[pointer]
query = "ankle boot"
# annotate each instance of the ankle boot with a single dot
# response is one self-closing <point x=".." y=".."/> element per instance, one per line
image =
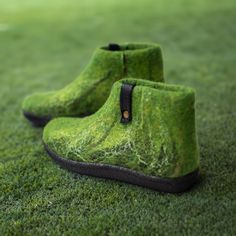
<point x="144" y="134"/>
<point x="91" y="89"/>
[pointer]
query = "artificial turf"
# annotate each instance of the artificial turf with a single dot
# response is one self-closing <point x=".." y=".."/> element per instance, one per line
<point x="44" y="45"/>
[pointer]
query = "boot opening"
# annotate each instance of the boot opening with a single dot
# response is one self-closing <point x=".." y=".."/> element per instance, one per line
<point x="126" y="47"/>
<point x="158" y="86"/>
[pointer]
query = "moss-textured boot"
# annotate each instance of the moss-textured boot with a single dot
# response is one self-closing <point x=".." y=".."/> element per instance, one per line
<point x="91" y="89"/>
<point x="144" y="134"/>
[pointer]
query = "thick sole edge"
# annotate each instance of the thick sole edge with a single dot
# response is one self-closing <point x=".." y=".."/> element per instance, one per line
<point x="167" y="185"/>
<point x="36" y="120"/>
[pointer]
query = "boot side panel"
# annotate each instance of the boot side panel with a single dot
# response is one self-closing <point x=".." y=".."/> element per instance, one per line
<point x="165" y="132"/>
<point x="183" y="129"/>
<point x="144" y="65"/>
<point x="103" y="77"/>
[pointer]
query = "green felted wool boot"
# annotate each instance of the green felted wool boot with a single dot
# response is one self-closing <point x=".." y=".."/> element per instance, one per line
<point x="91" y="89"/>
<point x="144" y="134"/>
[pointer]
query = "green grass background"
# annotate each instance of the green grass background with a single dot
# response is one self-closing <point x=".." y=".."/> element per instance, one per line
<point x="45" y="44"/>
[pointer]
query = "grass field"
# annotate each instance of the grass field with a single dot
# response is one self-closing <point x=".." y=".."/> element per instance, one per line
<point x="45" y="44"/>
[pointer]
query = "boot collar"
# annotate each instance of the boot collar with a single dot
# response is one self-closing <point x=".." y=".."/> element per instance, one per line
<point x="129" y="48"/>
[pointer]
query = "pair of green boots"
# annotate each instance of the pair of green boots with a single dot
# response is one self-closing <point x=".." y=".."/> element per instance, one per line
<point x="140" y="130"/>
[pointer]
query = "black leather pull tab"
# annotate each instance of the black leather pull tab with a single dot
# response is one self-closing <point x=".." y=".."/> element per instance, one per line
<point x="114" y="47"/>
<point x="126" y="103"/>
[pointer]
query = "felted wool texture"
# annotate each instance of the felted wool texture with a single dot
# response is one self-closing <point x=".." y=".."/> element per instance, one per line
<point x="90" y="90"/>
<point x="159" y="141"/>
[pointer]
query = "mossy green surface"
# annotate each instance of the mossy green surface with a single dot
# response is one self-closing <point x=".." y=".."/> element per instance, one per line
<point x="44" y="44"/>
<point x="89" y="91"/>
<point x="159" y="141"/>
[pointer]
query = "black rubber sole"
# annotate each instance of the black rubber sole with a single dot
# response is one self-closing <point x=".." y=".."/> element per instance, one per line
<point x="168" y="185"/>
<point x="35" y="120"/>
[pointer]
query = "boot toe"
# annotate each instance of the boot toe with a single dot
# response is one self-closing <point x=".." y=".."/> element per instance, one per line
<point x="37" y="104"/>
<point x="58" y="134"/>
<point x="36" y="108"/>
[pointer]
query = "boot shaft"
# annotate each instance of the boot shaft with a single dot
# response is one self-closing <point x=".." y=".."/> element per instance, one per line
<point x="163" y="125"/>
<point x="129" y="60"/>
<point x="143" y="61"/>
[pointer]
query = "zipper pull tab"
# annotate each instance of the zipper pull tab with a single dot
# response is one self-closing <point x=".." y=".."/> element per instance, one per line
<point x="126" y="103"/>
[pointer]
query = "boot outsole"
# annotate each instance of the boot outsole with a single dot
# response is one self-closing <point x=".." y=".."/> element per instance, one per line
<point x="168" y="185"/>
<point x="36" y="120"/>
